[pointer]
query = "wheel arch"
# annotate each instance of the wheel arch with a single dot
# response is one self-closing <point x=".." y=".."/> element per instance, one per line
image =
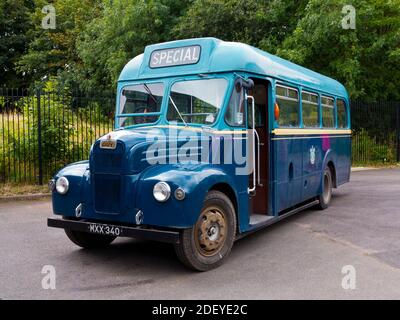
<point x="227" y="189"/>
<point x="329" y="161"/>
<point x="196" y="181"/>
<point x="332" y="167"/>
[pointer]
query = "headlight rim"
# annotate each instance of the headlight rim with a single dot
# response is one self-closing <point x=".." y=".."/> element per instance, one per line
<point x="168" y="191"/>
<point x="66" y="185"/>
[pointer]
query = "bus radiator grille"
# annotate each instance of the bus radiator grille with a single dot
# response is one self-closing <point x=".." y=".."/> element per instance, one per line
<point x="107" y="191"/>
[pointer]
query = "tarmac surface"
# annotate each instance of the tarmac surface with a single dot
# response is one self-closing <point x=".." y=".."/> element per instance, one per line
<point x="307" y="256"/>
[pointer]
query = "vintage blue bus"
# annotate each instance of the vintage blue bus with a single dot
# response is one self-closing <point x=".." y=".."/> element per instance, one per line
<point x="213" y="140"/>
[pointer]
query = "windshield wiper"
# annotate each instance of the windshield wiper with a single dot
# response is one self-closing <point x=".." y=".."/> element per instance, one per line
<point x="177" y="110"/>
<point x="150" y="93"/>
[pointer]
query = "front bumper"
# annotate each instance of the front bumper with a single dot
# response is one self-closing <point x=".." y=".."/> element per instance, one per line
<point x="138" y="232"/>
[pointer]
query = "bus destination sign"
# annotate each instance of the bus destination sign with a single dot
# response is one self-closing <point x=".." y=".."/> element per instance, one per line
<point x="175" y="56"/>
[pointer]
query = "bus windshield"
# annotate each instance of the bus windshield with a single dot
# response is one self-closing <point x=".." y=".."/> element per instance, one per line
<point x="138" y="100"/>
<point x="196" y="101"/>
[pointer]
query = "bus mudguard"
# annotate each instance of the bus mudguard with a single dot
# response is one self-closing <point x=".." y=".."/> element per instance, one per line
<point x="194" y="180"/>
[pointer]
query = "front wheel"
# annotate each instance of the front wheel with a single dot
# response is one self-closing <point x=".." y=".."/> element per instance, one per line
<point x="88" y="240"/>
<point x="206" y="245"/>
<point x="326" y="195"/>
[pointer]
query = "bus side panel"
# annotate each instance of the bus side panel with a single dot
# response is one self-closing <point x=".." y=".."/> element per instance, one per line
<point x="313" y="157"/>
<point x="315" y="150"/>
<point x="289" y="171"/>
<point x="343" y="165"/>
<point x="307" y="155"/>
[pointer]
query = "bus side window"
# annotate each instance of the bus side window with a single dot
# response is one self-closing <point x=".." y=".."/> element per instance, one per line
<point x="310" y="109"/>
<point x="235" y="113"/>
<point x="341" y="114"/>
<point x="288" y="102"/>
<point x="328" y="112"/>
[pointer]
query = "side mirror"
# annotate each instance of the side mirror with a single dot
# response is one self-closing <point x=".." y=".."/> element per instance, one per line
<point x="248" y="84"/>
<point x="245" y="84"/>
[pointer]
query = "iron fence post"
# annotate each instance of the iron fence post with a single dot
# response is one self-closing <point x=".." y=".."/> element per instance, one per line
<point x="39" y="124"/>
<point x="398" y="132"/>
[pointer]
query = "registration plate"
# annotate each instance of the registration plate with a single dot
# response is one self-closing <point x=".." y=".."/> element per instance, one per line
<point x="108" y="144"/>
<point x="105" y="229"/>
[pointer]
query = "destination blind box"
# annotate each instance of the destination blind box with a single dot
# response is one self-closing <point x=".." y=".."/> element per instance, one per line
<point x="175" y="56"/>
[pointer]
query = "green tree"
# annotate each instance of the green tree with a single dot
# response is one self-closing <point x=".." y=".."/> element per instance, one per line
<point x="365" y="59"/>
<point x="120" y="33"/>
<point x="264" y="24"/>
<point x="14" y="24"/>
<point x="52" y="52"/>
<point x="94" y="39"/>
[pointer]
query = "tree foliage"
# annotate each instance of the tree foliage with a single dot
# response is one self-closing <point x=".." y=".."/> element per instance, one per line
<point x="14" y="25"/>
<point x="94" y="39"/>
<point x="53" y="52"/>
<point x="365" y="59"/>
<point x="264" y="24"/>
<point x="120" y="33"/>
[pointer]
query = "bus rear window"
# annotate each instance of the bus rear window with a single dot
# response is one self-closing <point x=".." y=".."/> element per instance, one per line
<point x="288" y="102"/>
<point x="328" y="112"/>
<point x="341" y="114"/>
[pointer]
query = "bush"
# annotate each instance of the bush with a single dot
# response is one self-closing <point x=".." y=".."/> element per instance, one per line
<point x="367" y="149"/>
<point x="66" y="133"/>
<point x="55" y="127"/>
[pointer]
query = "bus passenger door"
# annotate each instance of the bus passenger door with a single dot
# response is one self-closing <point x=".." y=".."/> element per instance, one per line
<point x="259" y="197"/>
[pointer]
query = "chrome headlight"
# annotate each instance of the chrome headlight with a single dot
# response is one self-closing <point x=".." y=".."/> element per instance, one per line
<point x="62" y="185"/>
<point x="161" y="191"/>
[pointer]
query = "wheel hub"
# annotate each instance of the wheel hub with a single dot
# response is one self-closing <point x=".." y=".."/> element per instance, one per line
<point x="211" y="231"/>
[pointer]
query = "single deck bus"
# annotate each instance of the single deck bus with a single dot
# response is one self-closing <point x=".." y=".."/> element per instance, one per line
<point x="213" y="140"/>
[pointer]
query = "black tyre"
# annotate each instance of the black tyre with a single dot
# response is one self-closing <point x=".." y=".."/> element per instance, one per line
<point x="326" y="195"/>
<point x="207" y="244"/>
<point x="88" y="240"/>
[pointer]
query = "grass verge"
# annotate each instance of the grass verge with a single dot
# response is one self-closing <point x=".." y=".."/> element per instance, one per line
<point x="9" y="189"/>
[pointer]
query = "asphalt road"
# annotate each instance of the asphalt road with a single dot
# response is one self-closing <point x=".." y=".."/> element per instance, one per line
<point x="301" y="257"/>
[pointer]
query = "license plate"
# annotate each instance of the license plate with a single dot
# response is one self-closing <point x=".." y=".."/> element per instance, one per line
<point x="108" y="144"/>
<point x="105" y="229"/>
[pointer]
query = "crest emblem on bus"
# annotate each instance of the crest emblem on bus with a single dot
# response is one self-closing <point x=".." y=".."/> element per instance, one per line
<point x="312" y="155"/>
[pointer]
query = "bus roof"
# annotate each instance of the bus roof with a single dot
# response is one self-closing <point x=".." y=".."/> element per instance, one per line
<point x="221" y="56"/>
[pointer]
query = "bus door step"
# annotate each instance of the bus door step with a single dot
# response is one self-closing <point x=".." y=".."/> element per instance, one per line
<point x="259" y="218"/>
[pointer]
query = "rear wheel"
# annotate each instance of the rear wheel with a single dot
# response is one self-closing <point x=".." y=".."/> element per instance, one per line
<point x="89" y="240"/>
<point x="326" y="195"/>
<point x="207" y="244"/>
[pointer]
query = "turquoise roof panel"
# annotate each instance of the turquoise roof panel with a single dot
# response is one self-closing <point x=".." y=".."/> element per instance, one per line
<point x="221" y="56"/>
